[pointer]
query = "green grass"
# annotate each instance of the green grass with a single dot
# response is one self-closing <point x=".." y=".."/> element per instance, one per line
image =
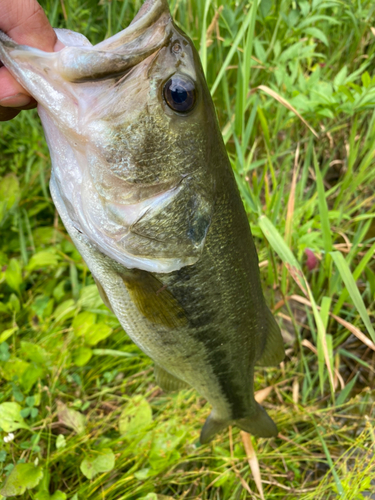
<point x="82" y="395"/>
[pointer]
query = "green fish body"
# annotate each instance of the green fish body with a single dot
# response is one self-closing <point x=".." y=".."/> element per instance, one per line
<point x="143" y="184"/>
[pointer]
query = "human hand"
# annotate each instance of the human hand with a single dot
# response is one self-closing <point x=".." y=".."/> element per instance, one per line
<point x="26" y="23"/>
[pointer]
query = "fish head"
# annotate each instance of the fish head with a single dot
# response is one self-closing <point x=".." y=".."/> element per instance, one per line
<point x="133" y="136"/>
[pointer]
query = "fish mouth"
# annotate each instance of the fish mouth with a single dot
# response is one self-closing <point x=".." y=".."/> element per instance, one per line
<point x="80" y="63"/>
<point x="150" y="14"/>
<point x="146" y="34"/>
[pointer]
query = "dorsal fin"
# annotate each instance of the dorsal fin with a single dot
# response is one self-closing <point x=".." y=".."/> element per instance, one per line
<point x="273" y="352"/>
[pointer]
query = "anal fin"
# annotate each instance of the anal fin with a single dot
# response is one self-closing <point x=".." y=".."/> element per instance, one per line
<point x="273" y="352"/>
<point x="168" y="382"/>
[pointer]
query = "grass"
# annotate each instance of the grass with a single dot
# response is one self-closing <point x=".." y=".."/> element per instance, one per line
<point x="80" y="398"/>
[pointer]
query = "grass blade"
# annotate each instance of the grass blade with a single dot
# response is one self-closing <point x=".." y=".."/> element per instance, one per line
<point x="323" y="208"/>
<point x="356" y="274"/>
<point x="203" y="47"/>
<point x="253" y="461"/>
<point x="339" y="486"/>
<point x="248" y="19"/>
<point x="341" y="398"/>
<point x="114" y="353"/>
<point x="353" y="291"/>
<point x="352" y="329"/>
<point x="278" y="244"/>
<point x="285" y="103"/>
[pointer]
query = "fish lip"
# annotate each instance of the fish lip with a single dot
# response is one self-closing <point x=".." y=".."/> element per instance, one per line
<point x="113" y="58"/>
<point x="150" y="13"/>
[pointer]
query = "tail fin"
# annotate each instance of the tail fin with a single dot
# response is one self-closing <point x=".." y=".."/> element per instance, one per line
<point x="260" y="424"/>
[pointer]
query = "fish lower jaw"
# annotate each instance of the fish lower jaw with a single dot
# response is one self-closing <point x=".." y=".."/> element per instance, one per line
<point x="146" y="263"/>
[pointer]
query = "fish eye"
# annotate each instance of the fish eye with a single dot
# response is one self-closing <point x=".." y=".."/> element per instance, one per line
<point x="179" y="93"/>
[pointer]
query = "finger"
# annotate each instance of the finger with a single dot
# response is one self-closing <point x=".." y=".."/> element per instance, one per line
<point x="11" y="92"/>
<point x="9" y="113"/>
<point x="27" y="24"/>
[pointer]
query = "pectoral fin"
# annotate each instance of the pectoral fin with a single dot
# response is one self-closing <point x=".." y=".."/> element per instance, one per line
<point x="168" y="382"/>
<point x="153" y="300"/>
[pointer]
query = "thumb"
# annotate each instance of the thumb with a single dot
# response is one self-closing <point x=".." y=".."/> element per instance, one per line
<point x="26" y="23"/>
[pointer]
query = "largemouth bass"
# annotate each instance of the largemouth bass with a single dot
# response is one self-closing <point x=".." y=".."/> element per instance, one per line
<point x="143" y="184"/>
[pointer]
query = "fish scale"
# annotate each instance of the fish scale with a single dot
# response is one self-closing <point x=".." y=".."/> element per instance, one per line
<point x="143" y="184"/>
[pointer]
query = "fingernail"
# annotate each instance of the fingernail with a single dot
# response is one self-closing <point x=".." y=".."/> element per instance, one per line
<point x="16" y="101"/>
<point x="58" y="46"/>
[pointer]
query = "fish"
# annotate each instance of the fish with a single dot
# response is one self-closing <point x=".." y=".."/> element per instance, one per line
<point x="142" y="182"/>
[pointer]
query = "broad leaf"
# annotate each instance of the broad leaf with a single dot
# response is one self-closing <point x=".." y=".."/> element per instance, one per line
<point x="44" y="258"/>
<point x="44" y="495"/>
<point x="71" y="418"/>
<point x="135" y="417"/>
<point x="23" y="477"/>
<point x="97" y="462"/>
<point x="83" y="322"/>
<point x="13" y="275"/>
<point x="82" y="356"/>
<point x="97" y="332"/>
<point x="10" y="417"/>
<point x="9" y="194"/>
